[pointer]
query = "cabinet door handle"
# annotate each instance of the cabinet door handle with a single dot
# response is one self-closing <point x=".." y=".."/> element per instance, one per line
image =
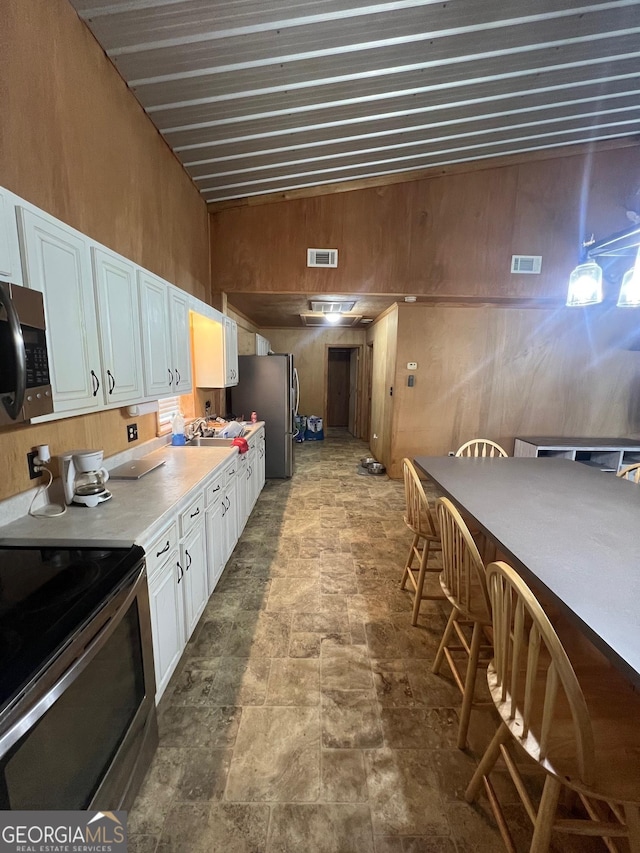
<point x="164" y="550"/>
<point x="96" y="383"/>
<point x="224" y="509"/>
<point x="188" y="558"/>
<point x="112" y="381"/>
<point x="177" y="376"/>
<point x="193" y="514"/>
<point x="170" y="375"/>
<point x="180" y="572"/>
<point x="228" y="504"/>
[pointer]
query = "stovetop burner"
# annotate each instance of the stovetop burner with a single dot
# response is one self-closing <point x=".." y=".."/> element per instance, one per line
<point x="65" y="587"/>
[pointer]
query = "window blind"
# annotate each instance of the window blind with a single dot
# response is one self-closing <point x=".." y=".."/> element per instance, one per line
<point x="167" y="408"/>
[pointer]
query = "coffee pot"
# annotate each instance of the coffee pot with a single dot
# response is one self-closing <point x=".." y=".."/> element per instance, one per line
<point x="84" y="478"/>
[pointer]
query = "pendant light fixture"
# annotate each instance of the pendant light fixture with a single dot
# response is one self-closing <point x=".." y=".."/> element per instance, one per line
<point x="585" y="285"/>
<point x="585" y="282"/>
<point x="630" y="288"/>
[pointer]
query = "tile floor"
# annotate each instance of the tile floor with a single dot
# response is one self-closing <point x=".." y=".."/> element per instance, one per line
<point x="304" y="717"/>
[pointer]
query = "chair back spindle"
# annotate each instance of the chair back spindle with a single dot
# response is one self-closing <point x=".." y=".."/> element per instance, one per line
<point x="417" y="511"/>
<point x="531" y="678"/>
<point x="630" y="472"/>
<point x="481" y="447"/>
<point x="463" y="574"/>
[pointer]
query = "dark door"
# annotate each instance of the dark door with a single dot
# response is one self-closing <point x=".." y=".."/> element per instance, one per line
<point x="338" y="382"/>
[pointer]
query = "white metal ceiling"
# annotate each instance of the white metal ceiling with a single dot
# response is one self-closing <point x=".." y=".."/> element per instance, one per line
<point x="262" y="96"/>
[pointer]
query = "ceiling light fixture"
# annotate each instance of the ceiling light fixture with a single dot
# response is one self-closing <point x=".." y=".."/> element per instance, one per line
<point x="410" y="298"/>
<point x="585" y="282"/>
<point x="333" y="316"/>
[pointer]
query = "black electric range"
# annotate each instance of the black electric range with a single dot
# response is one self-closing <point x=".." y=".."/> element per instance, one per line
<point x="46" y="596"/>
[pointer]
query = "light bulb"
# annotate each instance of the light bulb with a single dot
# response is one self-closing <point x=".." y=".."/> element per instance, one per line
<point x="332" y="316"/>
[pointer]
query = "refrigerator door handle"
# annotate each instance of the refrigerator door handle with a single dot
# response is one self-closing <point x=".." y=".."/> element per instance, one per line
<point x="296" y="391"/>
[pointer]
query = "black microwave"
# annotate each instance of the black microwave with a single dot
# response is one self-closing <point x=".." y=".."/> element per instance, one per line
<point x="25" y="387"/>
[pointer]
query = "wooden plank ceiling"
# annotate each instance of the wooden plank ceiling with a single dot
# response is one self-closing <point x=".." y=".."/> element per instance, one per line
<point x="269" y="96"/>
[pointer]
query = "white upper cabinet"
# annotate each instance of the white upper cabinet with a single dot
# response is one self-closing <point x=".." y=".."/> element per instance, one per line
<point x="57" y="261"/>
<point x="262" y="345"/>
<point x="166" y="348"/>
<point x="156" y="336"/>
<point x="119" y="324"/>
<point x="180" y="340"/>
<point x="215" y="348"/>
<point x="230" y="351"/>
<point x="10" y="267"/>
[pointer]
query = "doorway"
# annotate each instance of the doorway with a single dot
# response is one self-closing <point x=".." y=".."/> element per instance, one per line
<point x="342" y="386"/>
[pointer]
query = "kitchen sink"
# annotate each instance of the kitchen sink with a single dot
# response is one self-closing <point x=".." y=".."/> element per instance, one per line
<point x="198" y="441"/>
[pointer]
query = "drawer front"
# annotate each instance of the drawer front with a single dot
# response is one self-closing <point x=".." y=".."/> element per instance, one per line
<point x="215" y="490"/>
<point x="192" y="515"/>
<point x="162" y="547"/>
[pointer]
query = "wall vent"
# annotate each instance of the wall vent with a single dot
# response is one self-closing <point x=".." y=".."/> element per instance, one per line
<point x="530" y="264"/>
<point x="322" y="257"/>
<point x="326" y="306"/>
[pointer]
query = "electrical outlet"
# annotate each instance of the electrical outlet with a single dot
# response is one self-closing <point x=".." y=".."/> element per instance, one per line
<point x="33" y="474"/>
<point x="132" y="432"/>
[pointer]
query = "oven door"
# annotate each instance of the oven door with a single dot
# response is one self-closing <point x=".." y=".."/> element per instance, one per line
<point x="83" y="734"/>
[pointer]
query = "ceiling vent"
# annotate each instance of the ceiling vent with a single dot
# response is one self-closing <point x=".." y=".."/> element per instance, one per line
<point x="530" y="264"/>
<point x="321" y="320"/>
<point x="326" y="306"/>
<point x="322" y="257"/>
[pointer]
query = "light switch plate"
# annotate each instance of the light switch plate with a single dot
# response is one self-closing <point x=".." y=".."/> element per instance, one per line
<point x="412" y="365"/>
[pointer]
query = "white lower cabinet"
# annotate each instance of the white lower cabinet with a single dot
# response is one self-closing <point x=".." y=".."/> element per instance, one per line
<point x="185" y="562"/>
<point x="242" y="497"/>
<point x="222" y="522"/>
<point x="258" y="464"/>
<point x="193" y="558"/>
<point x="167" y="619"/>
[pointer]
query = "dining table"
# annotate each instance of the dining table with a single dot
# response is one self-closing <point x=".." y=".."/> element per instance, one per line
<point x="570" y="530"/>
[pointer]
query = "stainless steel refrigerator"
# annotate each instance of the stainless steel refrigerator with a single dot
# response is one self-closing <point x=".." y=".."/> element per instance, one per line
<point x="267" y="385"/>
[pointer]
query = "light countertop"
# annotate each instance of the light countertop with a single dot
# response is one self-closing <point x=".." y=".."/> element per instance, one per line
<point x="137" y="510"/>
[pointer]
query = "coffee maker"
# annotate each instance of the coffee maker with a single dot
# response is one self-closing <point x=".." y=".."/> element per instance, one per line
<point x="84" y="478"/>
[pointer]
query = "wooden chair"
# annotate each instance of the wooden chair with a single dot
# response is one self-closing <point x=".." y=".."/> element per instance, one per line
<point x="582" y="731"/>
<point x="630" y="472"/>
<point x="426" y="540"/>
<point x="463" y="583"/>
<point x="481" y="447"/>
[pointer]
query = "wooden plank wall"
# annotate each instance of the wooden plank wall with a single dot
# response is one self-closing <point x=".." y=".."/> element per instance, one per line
<point x="246" y="332"/>
<point x="500" y="372"/>
<point x="449" y="236"/>
<point x="76" y="143"/>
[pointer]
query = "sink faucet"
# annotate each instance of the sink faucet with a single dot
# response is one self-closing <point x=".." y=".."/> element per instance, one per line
<point x="198" y="425"/>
